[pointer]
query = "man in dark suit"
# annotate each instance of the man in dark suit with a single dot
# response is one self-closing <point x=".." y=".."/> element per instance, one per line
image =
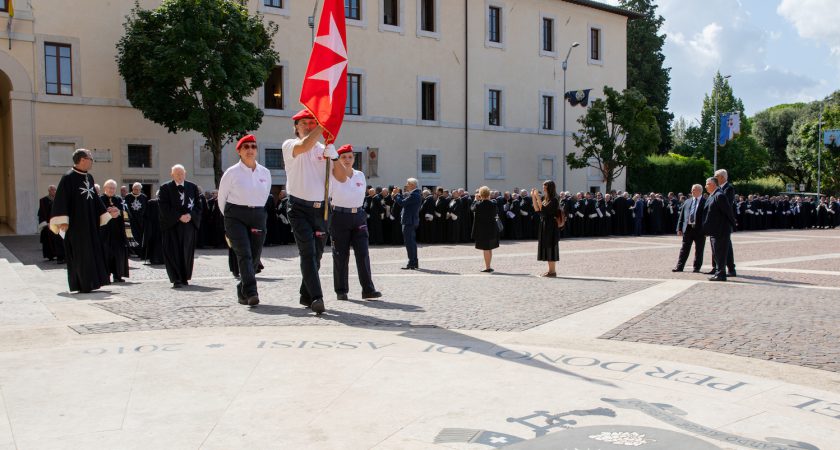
<point x="51" y="243"/>
<point x="180" y="218"/>
<point x="688" y="226"/>
<point x="410" y="219"/>
<point x="718" y="222"/>
<point x="722" y="178"/>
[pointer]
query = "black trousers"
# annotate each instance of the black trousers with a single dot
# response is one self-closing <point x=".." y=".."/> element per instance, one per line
<point x="350" y="230"/>
<point x="720" y="251"/>
<point x="310" y="230"/>
<point x="692" y="236"/>
<point x="179" y="251"/>
<point x="245" y="229"/>
<point x="730" y="257"/>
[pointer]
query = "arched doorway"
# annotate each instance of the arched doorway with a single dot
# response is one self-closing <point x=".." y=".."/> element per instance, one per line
<point x="6" y="167"/>
<point x="18" y="179"/>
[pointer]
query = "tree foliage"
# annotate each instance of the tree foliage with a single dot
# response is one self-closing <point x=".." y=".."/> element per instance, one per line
<point x="803" y="145"/>
<point x="645" y="64"/>
<point x="743" y="157"/>
<point x="771" y="128"/>
<point x="615" y="132"/>
<point x="193" y="64"/>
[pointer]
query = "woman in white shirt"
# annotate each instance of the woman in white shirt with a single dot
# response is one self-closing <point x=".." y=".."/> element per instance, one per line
<point x="349" y="225"/>
<point x="242" y="193"/>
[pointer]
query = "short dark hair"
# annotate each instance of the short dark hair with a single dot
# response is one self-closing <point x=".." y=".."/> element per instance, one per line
<point x="80" y="154"/>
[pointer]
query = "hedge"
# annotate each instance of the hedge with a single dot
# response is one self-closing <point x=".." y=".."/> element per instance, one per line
<point x="667" y="173"/>
<point x="763" y="186"/>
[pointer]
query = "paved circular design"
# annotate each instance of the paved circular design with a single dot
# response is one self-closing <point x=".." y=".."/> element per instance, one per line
<point x="612" y="437"/>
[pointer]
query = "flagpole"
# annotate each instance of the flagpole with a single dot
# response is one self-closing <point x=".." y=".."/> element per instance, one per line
<point x="819" y="151"/>
<point x="326" y="141"/>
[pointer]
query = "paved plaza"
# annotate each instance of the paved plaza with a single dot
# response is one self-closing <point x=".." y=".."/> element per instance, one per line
<point x="617" y="351"/>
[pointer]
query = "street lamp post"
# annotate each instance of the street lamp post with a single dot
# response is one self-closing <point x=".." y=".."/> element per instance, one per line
<point x="715" y="137"/>
<point x="565" y="65"/>
<point x="819" y="152"/>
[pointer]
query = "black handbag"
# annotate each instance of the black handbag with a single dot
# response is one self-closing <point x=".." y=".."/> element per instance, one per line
<point x="500" y="225"/>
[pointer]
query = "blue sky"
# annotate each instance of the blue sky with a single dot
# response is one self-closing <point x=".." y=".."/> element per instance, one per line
<point x="777" y="51"/>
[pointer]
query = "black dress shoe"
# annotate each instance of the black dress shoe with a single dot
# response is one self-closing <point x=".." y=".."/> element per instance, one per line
<point x="369" y="295"/>
<point x="677" y="269"/>
<point x="305" y="301"/>
<point x="717" y="278"/>
<point x="185" y="283"/>
<point x="119" y="280"/>
<point x="408" y="268"/>
<point x="317" y="306"/>
<point x="731" y="274"/>
<point x="243" y="301"/>
<point x="711" y="272"/>
<point x="487" y="271"/>
<point x="177" y="285"/>
<point x="696" y="270"/>
<point x="60" y="261"/>
<point x="341" y="296"/>
<point x="253" y="300"/>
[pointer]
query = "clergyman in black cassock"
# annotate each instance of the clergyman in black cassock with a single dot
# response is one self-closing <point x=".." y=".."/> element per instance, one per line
<point x="135" y="204"/>
<point x="152" y="242"/>
<point x="180" y="218"/>
<point x="51" y="245"/>
<point x="114" y="239"/>
<point x="78" y="212"/>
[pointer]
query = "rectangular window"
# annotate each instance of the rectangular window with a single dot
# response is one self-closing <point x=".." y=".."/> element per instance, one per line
<point x="495" y="24"/>
<point x="274" y="159"/>
<point x="427" y="15"/>
<point x="390" y="13"/>
<point x="273" y="3"/>
<point x="354" y="95"/>
<point x="595" y="44"/>
<point x="139" y="156"/>
<point x="428" y="99"/>
<point x="4" y="5"/>
<point x="58" y="68"/>
<point x="352" y="10"/>
<point x="357" y="161"/>
<point x="273" y="89"/>
<point x="494" y="110"/>
<point x="548" y="112"/>
<point x="428" y="163"/>
<point x="548" y="34"/>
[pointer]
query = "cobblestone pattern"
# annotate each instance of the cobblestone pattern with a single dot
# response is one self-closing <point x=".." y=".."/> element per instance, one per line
<point x="494" y="302"/>
<point x="787" y="325"/>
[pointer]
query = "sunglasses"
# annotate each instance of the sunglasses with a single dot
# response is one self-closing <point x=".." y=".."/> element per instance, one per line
<point x="248" y="146"/>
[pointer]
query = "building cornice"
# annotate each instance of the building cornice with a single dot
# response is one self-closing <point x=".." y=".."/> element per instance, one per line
<point x="607" y="8"/>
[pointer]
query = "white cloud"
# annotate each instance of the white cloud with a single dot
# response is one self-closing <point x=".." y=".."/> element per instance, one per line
<point x="814" y="19"/>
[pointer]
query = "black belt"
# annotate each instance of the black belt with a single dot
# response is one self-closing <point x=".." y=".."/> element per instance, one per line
<point x="246" y="206"/>
<point x="346" y="210"/>
<point x="302" y="202"/>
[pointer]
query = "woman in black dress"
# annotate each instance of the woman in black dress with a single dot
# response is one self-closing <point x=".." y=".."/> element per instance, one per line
<point x="548" y="234"/>
<point x="484" y="228"/>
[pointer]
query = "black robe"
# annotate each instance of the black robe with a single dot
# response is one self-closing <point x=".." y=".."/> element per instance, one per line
<point x="114" y="240"/>
<point x="77" y="204"/>
<point x="178" y="237"/>
<point x="51" y="245"/>
<point x="285" y="226"/>
<point x="426" y="231"/>
<point x="136" y="207"/>
<point x="272" y="235"/>
<point x="152" y="243"/>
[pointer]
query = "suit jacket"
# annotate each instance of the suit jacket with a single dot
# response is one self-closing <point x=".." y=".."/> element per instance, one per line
<point x="410" y="214"/>
<point x="685" y="211"/>
<point x="171" y="206"/>
<point x="718" y="218"/>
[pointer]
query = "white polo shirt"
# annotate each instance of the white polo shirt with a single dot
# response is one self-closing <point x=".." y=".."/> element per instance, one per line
<point x="245" y="187"/>
<point x="305" y="177"/>
<point x="351" y="193"/>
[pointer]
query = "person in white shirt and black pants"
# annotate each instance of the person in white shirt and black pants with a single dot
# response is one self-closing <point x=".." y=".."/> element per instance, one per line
<point x="306" y="160"/>
<point x="242" y="193"/>
<point x="349" y="225"/>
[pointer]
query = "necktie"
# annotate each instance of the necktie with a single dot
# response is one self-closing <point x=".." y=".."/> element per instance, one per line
<point x="693" y="215"/>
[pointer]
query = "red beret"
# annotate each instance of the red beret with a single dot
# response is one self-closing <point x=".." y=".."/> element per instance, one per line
<point x="246" y="138"/>
<point x="347" y="148"/>
<point x="303" y="114"/>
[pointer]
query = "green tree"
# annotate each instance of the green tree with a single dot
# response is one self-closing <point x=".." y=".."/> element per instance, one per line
<point x="615" y="132"/>
<point x="678" y="132"/>
<point x="743" y="157"/>
<point x="645" y="64"/>
<point x="804" y="144"/>
<point x="193" y="64"/>
<point x="771" y="128"/>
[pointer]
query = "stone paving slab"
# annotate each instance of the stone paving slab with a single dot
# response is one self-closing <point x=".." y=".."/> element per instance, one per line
<point x="772" y="323"/>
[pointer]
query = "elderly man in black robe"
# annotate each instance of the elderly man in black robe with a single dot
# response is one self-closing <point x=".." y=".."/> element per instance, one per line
<point x="180" y="218"/>
<point x="152" y="242"/>
<point x="77" y="214"/>
<point x="114" y="239"/>
<point x="135" y="204"/>
<point x="51" y="245"/>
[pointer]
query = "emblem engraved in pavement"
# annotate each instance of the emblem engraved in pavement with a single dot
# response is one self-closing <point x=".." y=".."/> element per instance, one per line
<point x="631" y="438"/>
<point x="136" y="205"/>
<point x="87" y="190"/>
<point x="672" y="418"/>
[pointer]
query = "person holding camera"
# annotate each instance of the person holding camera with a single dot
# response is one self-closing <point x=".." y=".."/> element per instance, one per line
<point x="547" y="235"/>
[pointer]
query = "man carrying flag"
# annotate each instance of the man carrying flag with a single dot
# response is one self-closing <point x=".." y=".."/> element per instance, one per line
<point x="324" y="94"/>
